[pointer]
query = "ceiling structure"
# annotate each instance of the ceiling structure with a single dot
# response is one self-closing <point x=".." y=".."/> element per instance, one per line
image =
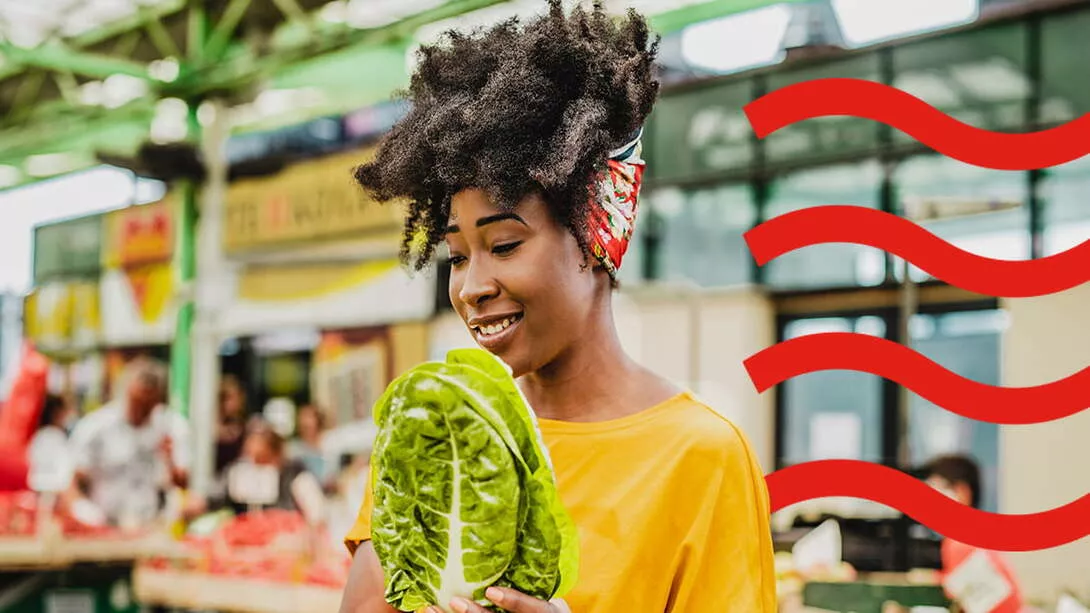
<point x="79" y="78"/>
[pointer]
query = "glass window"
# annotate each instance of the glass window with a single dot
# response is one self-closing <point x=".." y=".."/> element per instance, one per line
<point x="978" y="77"/>
<point x="823" y="137"/>
<point x="700" y="234"/>
<point x="1064" y="48"/>
<point x="1066" y="202"/>
<point x="700" y="132"/>
<point x="966" y="343"/>
<point x="832" y="265"/>
<point x="835" y="414"/>
<point x="980" y="210"/>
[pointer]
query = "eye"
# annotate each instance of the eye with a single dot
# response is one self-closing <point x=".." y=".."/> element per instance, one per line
<point x="506" y="248"/>
<point x="456" y="260"/>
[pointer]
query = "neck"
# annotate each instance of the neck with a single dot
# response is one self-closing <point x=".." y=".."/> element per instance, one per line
<point x="582" y="383"/>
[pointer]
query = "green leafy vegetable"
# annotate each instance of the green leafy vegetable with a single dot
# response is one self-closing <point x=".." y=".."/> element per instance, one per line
<point x="464" y="492"/>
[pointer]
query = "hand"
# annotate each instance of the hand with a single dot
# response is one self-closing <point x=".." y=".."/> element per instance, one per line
<point x="510" y="600"/>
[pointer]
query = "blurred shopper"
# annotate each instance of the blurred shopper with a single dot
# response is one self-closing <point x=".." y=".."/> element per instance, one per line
<point x="48" y="454"/>
<point x="966" y="569"/>
<point x="232" y="422"/>
<point x="308" y="446"/>
<point x="296" y="489"/>
<point x="128" y="453"/>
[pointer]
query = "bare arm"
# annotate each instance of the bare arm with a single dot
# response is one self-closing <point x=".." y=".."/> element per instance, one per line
<point x="364" y="591"/>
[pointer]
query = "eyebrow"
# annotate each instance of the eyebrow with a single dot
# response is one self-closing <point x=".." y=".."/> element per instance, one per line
<point x="489" y="219"/>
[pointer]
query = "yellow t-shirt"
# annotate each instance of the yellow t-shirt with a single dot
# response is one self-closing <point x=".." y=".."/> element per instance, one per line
<point x="671" y="508"/>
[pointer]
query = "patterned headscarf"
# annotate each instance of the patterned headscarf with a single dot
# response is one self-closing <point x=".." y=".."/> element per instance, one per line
<point x="613" y="218"/>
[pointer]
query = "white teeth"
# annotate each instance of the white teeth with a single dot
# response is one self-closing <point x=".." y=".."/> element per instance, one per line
<point x="497" y="327"/>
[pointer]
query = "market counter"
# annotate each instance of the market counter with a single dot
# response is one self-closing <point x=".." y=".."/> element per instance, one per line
<point x="197" y="591"/>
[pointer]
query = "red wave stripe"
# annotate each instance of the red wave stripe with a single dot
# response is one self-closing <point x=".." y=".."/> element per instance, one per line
<point x="888" y="232"/>
<point x="885" y="358"/>
<point x="891" y="487"/>
<point x="921" y="121"/>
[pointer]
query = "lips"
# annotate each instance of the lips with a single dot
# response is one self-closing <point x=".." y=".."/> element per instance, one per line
<point x="493" y="333"/>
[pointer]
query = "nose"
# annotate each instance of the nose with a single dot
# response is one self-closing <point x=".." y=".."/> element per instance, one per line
<point x="478" y="284"/>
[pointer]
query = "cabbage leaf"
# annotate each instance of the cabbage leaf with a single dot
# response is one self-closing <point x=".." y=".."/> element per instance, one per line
<point x="464" y="491"/>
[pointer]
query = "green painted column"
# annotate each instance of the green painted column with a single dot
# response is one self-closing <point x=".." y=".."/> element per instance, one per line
<point x="185" y="265"/>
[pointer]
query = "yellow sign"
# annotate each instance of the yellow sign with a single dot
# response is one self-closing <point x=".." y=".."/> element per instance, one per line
<point x="308" y="202"/>
<point x="307" y="281"/>
<point x="63" y="316"/>
<point x="152" y="287"/>
<point x="139" y="235"/>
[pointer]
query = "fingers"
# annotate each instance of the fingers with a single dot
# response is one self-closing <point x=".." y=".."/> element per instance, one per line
<point x="516" y="602"/>
<point x="461" y="605"/>
<point x="510" y="600"/>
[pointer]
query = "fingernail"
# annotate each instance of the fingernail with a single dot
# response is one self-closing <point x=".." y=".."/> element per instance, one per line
<point x="494" y="594"/>
<point x="460" y="605"/>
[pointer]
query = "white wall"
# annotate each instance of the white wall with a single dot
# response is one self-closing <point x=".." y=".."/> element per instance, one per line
<point x="700" y="340"/>
<point x="1044" y="466"/>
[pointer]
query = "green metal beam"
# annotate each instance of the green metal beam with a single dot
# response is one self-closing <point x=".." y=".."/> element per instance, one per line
<point x="162" y="39"/>
<point x="57" y="129"/>
<point x="245" y="68"/>
<point x="221" y="34"/>
<point x="60" y="58"/>
<point x="196" y="33"/>
<point x="185" y="268"/>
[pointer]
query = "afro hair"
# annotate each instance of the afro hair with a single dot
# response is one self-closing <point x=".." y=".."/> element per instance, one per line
<point x="515" y="109"/>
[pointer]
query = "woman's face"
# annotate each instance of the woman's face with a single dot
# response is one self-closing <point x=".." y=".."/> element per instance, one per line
<point x="519" y="280"/>
<point x="258" y="450"/>
<point x="308" y="425"/>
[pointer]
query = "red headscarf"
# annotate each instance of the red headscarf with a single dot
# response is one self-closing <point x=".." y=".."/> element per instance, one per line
<point x="613" y="217"/>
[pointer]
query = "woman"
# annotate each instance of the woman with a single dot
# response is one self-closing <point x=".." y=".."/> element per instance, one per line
<point x="967" y="569"/>
<point x="504" y="159"/>
<point x="307" y="446"/>
<point x="232" y="418"/>
<point x="296" y="488"/>
<point x="48" y="455"/>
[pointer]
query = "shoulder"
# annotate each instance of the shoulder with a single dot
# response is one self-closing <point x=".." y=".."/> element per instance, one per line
<point x="98" y="420"/>
<point x="703" y="425"/>
<point x="49" y="437"/>
<point x="705" y="434"/>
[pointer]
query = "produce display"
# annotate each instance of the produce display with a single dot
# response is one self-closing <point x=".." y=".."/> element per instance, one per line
<point x="274" y="546"/>
<point x="464" y="492"/>
<point x="18" y="514"/>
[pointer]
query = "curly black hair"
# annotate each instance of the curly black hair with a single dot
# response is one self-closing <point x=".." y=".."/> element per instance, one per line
<point x="515" y="110"/>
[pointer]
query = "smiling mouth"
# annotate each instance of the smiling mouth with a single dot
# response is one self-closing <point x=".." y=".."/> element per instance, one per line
<point x="496" y="328"/>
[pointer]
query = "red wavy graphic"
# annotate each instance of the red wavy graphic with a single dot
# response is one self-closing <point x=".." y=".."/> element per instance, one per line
<point x="921" y="121"/>
<point x="893" y="361"/>
<point x="888" y="232"/>
<point x="884" y="485"/>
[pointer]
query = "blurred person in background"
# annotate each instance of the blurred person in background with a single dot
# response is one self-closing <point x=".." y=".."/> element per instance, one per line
<point x="48" y="451"/>
<point x="987" y="573"/>
<point x="232" y="422"/>
<point x="307" y="447"/>
<point x="297" y="489"/>
<point x="130" y="452"/>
